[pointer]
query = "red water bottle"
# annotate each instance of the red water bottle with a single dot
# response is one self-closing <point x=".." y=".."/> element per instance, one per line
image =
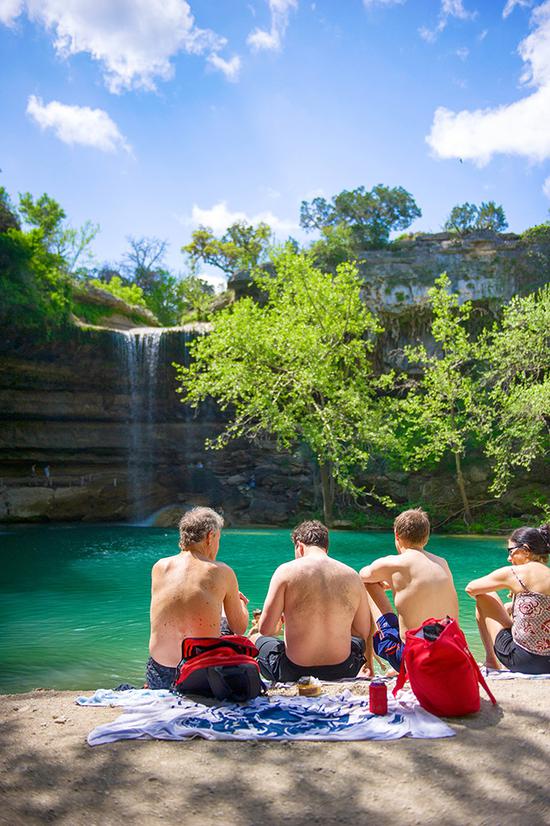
<point x="378" y="697"/>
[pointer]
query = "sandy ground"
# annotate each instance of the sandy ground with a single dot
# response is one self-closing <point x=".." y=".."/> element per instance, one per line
<point x="495" y="771"/>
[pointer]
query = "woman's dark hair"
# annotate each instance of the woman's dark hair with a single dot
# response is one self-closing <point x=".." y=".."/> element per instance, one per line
<point x="536" y="539"/>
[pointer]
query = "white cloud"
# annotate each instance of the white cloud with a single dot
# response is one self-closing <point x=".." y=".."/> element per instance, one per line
<point x="546" y="187"/>
<point x="511" y="5"/>
<point x="133" y="40"/>
<point x="230" y="68"/>
<point x="519" y="128"/>
<point x="462" y="52"/>
<point x="10" y="11"/>
<point x="77" y="124"/>
<point x="449" y="8"/>
<point x="272" y="40"/>
<point x="219" y="217"/>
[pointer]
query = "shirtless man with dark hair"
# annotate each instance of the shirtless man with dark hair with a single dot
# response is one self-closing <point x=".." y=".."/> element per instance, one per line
<point x="323" y="603"/>
<point x="421" y="583"/>
<point x="189" y="592"/>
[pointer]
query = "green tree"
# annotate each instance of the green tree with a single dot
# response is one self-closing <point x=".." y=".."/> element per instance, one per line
<point x="370" y="215"/>
<point x="516" y="354"/>
<point x="8" y="214"/>
<point x="35" y="289"/>
<point x="462" y="219"/>
<point x="465" y="218"/>
<point x="195" y="296"/>
<point x="242" y="247"/>
<point x="491" y="216"/>
<point x="47" y="216"/>
<point x="440" y="413"/>
<point x="297" y="368"/>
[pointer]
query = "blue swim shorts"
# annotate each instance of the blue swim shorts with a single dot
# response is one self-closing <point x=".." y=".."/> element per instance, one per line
<point x="386" y="641"/>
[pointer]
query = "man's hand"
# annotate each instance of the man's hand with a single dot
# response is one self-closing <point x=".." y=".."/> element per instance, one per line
<point x="243" y="598"/>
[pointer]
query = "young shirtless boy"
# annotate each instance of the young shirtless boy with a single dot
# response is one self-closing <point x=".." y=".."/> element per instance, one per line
<point x="421" y="584"/>
<point x="189" y="592"/>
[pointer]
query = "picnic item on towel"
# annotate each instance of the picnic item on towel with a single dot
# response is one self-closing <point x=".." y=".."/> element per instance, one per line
<point x="309" y="687"/>
<point x="378" y="697"/>
<point x="224" y="668"/>
<point x="345" y="716"/>
<point x="441" y="669"/>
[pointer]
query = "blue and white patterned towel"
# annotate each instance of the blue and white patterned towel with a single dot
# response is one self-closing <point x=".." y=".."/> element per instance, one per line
<point x="153" y="715"/>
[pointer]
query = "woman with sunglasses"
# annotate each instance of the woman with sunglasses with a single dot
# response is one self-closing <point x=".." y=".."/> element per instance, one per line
<point x="518" y="639"/>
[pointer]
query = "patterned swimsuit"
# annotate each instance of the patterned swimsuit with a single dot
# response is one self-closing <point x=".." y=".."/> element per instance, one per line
<point x="531" y="619"/>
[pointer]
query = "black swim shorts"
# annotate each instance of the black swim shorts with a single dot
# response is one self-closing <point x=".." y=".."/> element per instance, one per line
<point x="159" y="676"/>
<point x="275" y="665"/>
<point x="516" y="658"/>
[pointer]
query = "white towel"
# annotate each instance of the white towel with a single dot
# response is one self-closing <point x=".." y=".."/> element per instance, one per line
<point x="341" y="717"/>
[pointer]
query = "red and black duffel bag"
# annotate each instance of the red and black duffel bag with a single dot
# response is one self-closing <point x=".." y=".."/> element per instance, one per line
<point x="221" y="667"/>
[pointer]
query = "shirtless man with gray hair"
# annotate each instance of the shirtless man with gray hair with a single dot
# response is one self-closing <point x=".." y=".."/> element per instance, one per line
<point x="188" y="593"/>
<point x="326" y="614"/>
<point x="421" y="583"/>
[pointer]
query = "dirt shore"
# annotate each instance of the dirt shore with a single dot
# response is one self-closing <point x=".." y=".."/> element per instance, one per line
<point x="495" y="771"/>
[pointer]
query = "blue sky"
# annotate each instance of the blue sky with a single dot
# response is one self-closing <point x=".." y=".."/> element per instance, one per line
<point x="152" y="116"/>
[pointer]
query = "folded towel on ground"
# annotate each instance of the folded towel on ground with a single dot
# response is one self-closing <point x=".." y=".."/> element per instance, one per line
<point x="341" y="717"/>
<point x="495" y="674"/>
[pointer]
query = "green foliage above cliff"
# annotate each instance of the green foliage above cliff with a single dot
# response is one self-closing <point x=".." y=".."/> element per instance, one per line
<point x="468" y="217"/>
<point x="34" y="288"/>
<point x="242" y="247"/>
<point x="297" y="368"/>
<point x="369" y="215"/>
<point x="539" y="234"/>
<point x="130" y="293"/>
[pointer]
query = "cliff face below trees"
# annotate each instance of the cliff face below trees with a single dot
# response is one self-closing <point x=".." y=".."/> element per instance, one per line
<point x="97" y="409"/>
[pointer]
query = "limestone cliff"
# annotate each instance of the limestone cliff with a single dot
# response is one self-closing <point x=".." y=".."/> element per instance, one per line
<point x="73" y="407"/>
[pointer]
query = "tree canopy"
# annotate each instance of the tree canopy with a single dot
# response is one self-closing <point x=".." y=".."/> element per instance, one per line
<point x="468" y="217"/>
<point x="242" y="247"/>
<point x="297" y="368"/>
<point x="370" y="215"/>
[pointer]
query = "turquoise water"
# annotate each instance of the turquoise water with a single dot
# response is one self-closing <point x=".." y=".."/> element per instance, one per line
<point x="75" y="600"/>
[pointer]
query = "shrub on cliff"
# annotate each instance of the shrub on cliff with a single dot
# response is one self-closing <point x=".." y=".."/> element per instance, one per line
<point x="35" y="291"/>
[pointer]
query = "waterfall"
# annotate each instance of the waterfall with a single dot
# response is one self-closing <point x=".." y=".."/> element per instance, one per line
<point x="139" y="351"/>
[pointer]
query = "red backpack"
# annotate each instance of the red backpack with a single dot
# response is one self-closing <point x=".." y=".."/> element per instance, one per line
<point x="220" y="667"/>
<point x="441" y="669"/>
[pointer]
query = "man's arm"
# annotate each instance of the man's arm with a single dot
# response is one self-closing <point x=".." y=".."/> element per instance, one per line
<point x="501" y="578"/>
<point x="234" y="605"/>
<point x="362" y="621"/>
<point x="380" y="570"/>
<point x="274" y="604"/>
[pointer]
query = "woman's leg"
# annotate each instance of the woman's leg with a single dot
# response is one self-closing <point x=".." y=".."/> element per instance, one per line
<point x="492" y="617"/>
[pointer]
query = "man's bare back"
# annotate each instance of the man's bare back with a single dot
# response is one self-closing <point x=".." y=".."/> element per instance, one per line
<point x="190" y="589"/>
<point x="325" y="609"/>
<point x="320" y="599"/>
<point x="188" y="593"/>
